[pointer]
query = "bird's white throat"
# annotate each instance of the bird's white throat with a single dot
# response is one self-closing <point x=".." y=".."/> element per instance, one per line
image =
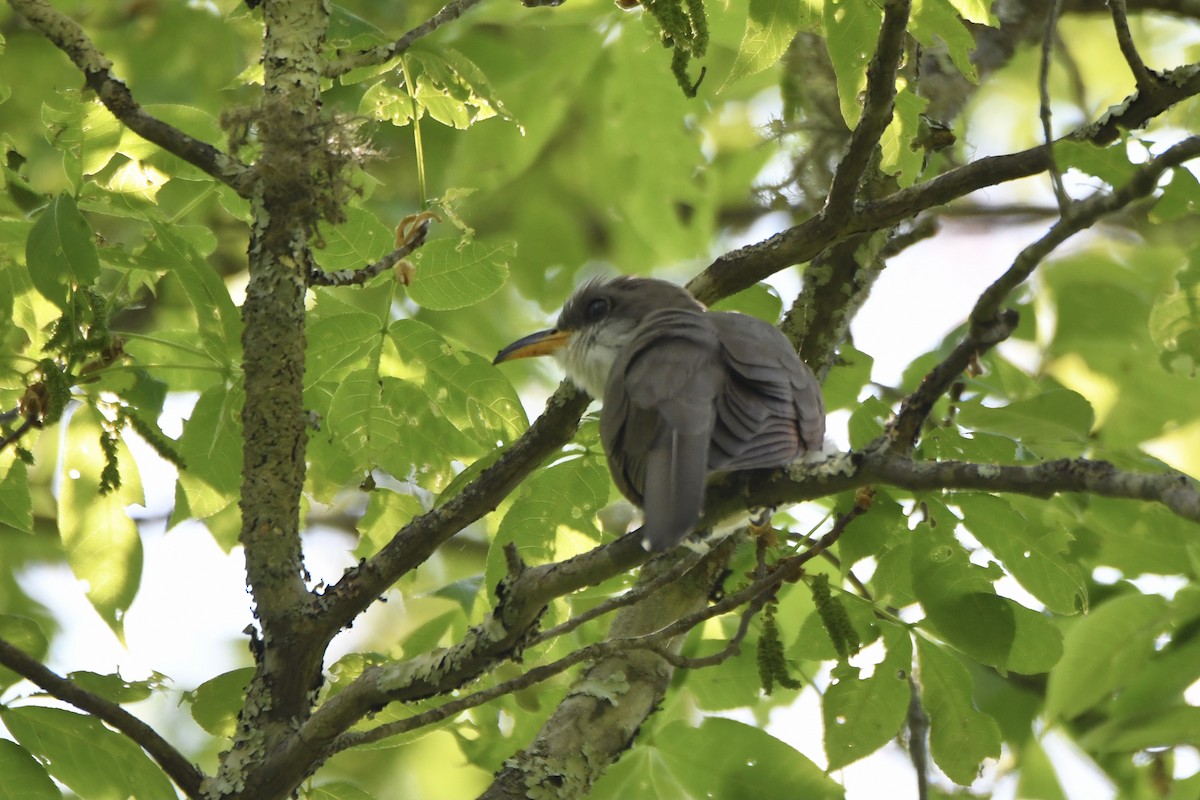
<point x="591" y="352"/>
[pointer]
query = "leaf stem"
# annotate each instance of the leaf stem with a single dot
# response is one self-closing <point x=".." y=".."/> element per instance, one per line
<point x="420" y="150"/>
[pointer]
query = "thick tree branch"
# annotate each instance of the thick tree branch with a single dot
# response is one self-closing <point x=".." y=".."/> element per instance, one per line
<point x="185" y="774"/>
<point x="414" y="543"/>
<point x="65" y="34"/>
<point x="381" y="54"/>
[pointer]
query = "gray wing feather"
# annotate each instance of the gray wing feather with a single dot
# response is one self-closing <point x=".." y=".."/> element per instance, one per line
<point x="658" y="419"/>
<point x="695" y="392"/>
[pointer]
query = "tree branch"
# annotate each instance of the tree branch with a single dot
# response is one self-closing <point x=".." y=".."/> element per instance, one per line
<point x="876" y="111"/>
<point x="409" y="242"/>
<point x="988" y="325"/>
<point x="742" y="268"/>
<point x="183" y="772"/>
<point x="1142" y="76"/>
<point x="65" y="34"/>
<point x="381" y="54"/>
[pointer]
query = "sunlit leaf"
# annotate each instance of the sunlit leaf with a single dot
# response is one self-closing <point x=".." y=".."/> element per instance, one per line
<point x="61" y="251"/>
<point x="216" y="702"/>
<point x="86" y="756"/>
<point x="960" y="737"/>
<point x="24" y="776"/>
<point x="451" y="275"/>
<point x="1082" y="680"/>
<point x="101" y="541"/>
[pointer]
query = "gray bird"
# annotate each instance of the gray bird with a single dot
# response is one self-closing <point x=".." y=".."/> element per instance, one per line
<point x="686" y="392"/>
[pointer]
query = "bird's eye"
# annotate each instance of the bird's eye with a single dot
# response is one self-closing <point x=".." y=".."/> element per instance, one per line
<point x="597" y="308"/>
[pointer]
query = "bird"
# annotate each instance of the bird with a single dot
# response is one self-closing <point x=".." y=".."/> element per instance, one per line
<point x="686" y="392"/>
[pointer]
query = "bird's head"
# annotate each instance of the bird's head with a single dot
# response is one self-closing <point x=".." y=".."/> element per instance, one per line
<point x="598" y="321"/>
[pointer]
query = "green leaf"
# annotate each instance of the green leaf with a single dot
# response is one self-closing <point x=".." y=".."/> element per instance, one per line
<point x="16" y="503"/>
<point x="1035" y="554"/>
<point x="852" y="31"/>
<point x="391" y="424"/>
<point x="467" y="389"/>
<point x="216" y="702"/>
<point x="719" y="759"/>
<point x="25" y="635"/>
<point x="211" y="446"/>
<point x="900" y="159"/>
<point x="760" y="300"/>
<point x="749" y="760"/>
<point x="93" y="761"/>
<point x="556" y="504"/>
<point x="863" y="714"/>
<point x="1058" y="421"/>
<point x="359" y="241"/>
<point x="1175" y="322"/>
<point x="932" y="20"/>
<point x="385" y="102"/>
<point x="102" y="542"/>
<point x="1081" y="680"/>
<point x="770" y="27"/>
<point x="1038" y="779"/>
<point x="977" y="11"/>
<point x="866" y="421"/>
<point x="963" y="610"/>
<point x="115" y="688"/>
<point x="387" y="512"/>
<point x="1149" y="730"/>
<point x="338" y="342"/>
<point x="1110" y="163"/>
<point x="451" y="275"/>
<point x="960" y="737"/>
<point x="24" y="776"/>
<point x="61" y="251"/>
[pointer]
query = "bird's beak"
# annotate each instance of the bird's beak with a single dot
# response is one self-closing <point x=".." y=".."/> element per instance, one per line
<point x="542" y="343"/>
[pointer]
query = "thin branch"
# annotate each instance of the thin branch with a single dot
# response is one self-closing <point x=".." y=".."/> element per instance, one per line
<point x="15" y="436"/>
<point x="1044" y="114"/>
<point x="754" y="594"/>
<point x="876" y="111"/>
<point x="1078" y="216"/>
<point x="181" y="771"/>
<point x="742" y="268"/>
<point x="1142" y="76"/>
<point x="65" y="34"/>
<point x="634" y="595"/>
<point x="357" y="277"/>
<point x="381" y="54"/>
<point x="918" y="730"/>
<point x="989" y="325"/>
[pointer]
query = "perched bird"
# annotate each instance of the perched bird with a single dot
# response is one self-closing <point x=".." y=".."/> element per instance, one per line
<point x="686" y="392"/>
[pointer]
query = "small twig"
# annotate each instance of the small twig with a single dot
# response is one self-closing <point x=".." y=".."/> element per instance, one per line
<point x="16" y="435"/>
<point x="1145" y="79"/>
<point x="380" y="54"/>
<point x="357" y="277"/>
<point x="918" y="729"/>
<point x="634" y="595"/>
<point x="1044" y="114"/>
<point x="183" y="772"/>
<point x="756" y="593"/>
